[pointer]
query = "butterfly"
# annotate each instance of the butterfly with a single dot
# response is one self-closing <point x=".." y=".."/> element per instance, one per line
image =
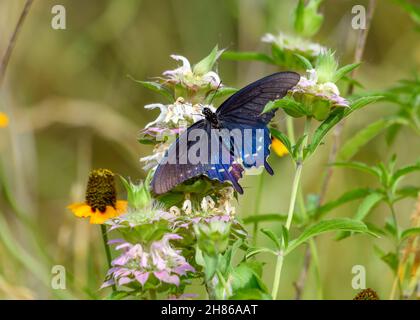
<point x="202" y="150"/>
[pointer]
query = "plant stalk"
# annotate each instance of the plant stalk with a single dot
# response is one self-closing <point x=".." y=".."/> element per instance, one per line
<point x="257" y="206"/>
<point x="107" y="250"/>
<point x="293" y="196"/>
<point x="396" y="283"/>
<point x="6" y="57"/>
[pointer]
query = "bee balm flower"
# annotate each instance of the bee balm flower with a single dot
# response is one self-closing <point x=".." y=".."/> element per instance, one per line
<point x="138" y="264"/>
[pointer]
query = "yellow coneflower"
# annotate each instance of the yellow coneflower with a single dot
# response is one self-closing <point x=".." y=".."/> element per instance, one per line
<point x="101" y="201"/>
<point x="367" y="294"/>
<point x="278" y="147"/>
<point x="4" y="120"/>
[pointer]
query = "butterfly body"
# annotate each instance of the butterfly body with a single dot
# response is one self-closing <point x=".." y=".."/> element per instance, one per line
<point x="211" y="117"/>
<point x="226" y="142"/>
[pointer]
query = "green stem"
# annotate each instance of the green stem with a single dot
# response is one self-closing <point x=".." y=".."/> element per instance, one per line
<point x="152" y="293"/>
<point x="301" y="200"/>
<point x="277" y="275"/>
<point x="317" y="269"/>
<point x="224" y="283"/>
<point x="396" y="282"/>
<point x="107" y="249"/>
<point x="394" y="218"/>
<point x="295" y="188"/>
<point x="290" y="129"/>
<point x="257" y="206"/>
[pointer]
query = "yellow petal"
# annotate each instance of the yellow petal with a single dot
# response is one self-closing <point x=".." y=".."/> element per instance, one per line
<point x="121" y="207"/>
<point x="278" y="147"/>
<point x="81" y="210"/>
<point x="100" y="217"/>
<point x="4" y="120"/>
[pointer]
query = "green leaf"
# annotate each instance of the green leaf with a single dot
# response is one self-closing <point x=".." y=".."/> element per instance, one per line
<point x="210" y="267"/>
<point x="360" y="103"/>
<point x="117" y="295"/>
<point x="250" y="294"/>
<point x="283" y="138"/>
<point x="375" y="229"/>
<point x="254" y="251"/>
<point x="337" y="224"/>
<point x="390" y="228"/>
<point x="171" y="198"/>
<point x="285" y="236"/>
<point x="411" y="232"/>
<point x="365" y="207"/>
<point x="289" y="105"/>
<point x="361" y="138"/>
<point x="305" y="62"/>
<point x="269" y="217"/>
<point x="412" y="9"/>
<point x="392" y="132"/>
<point x="220" y="93"/>
<point x="344" y="70"/>
<point x="407" y="192"/>
<point x="360" y="166"/>
<point x="207" y="63"/>
<point x="346" y="197"/>
<point x="307" y="19"/>
<point x="389" y="258"/>
<point x="247" y="56"/>
<point x="402" y="172"/>
<point x="156" y="87"/>
<point x="272" y="236"/>
<point x="245" y="276"/>
<point x="297" y="146"/>
<point x="299" y="24"/>
<point x="323" y="129"/>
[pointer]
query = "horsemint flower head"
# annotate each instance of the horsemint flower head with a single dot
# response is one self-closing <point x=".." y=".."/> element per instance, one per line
<point x="213" y="237"/>
<point x="294" y="44"/>
<point x="366" y="294"/>
<point x="317" y="94"/>
<point x="172" y="116"/>
<point x="172" y="121"/>
<point x="101" y="201"/>
<point x="196" y="77"/>
<point x="138" y="264"/>
<point x="190" y="89"/>
<point x="4" y="120"/>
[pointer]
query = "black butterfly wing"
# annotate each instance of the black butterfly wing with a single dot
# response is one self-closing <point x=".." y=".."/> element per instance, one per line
<point x="176" y="166"/>
<point x="241" y="111"/>
<point x="246" y="105"/>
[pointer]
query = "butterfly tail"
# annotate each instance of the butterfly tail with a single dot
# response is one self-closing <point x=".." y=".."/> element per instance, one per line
<point x="268" y="168"/>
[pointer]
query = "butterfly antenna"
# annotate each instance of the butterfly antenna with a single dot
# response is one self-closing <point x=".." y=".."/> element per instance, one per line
<point x="214" y="94"/>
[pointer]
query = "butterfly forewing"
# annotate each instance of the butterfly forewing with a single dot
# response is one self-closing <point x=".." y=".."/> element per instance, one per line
<point x="246" y="105"/>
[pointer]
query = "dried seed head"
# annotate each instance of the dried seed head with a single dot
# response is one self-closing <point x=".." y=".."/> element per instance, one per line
<point x="100" y="190"/>
<point x="367" y="294"/>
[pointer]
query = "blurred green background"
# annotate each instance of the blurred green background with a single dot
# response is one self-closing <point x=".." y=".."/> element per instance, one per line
<point x="72" y="108"/>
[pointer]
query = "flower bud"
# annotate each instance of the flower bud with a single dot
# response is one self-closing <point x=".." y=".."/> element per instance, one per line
<point x="213" y="238"/>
